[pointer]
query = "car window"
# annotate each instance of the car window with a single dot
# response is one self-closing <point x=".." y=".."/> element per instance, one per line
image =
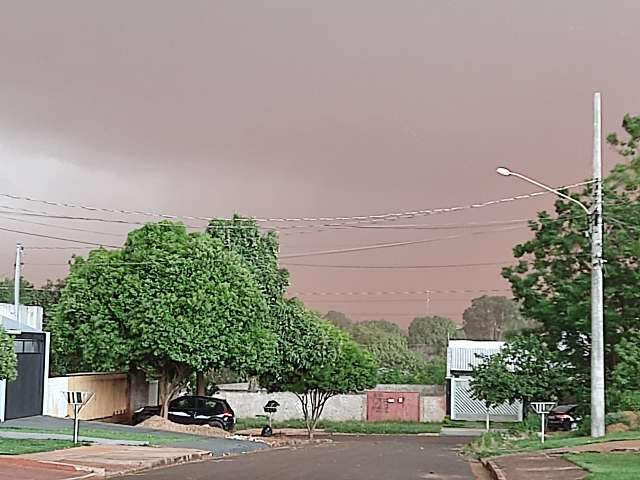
<point x="564" y="409"/>
<point x="210" y="406"/>
<point x="184" y="403"/>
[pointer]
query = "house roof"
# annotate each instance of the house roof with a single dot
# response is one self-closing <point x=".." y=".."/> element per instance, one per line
<point x="462" y="355"/>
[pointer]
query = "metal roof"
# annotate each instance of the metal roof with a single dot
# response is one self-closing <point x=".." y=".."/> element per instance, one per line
<point x="462" y="355"/>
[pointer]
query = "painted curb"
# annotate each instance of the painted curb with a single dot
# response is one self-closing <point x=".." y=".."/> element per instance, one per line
<point x="493" y="469"/>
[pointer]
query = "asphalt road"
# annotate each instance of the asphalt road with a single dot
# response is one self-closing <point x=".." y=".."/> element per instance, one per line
<point x="219" y="446"/>
<point x="347" y="458"/>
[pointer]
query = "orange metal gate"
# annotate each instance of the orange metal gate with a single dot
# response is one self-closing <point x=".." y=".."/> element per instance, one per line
<point x="401" y="406"/>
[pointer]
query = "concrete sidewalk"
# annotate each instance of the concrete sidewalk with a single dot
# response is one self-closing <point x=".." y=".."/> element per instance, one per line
<point x="18" y="468"/>
<point x="549" y="464"/>
<point x="114" y="460"/>
<point x="62" y="436"/>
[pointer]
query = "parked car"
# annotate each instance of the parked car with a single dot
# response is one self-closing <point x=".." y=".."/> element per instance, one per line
<point x="193" y="410"/>
<point x="563" y="417"/>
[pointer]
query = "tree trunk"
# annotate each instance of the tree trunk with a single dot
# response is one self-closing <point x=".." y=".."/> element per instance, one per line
<point x="200" y="384"/>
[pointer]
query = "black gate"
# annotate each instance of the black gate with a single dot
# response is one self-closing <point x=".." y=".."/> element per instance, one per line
<point x="24" y="394"/>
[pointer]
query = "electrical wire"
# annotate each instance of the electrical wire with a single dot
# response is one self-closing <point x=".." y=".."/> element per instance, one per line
<point x="406" y="292"/>
<point x="382" y="216"/>
<point x="21" y="232"/>
<point x="398" y="267"/>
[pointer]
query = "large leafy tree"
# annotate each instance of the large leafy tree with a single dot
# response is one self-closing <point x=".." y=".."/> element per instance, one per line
<point x="491" y="318"/>
<point x="259" y="250"/>
<point x="525" y="369"/>
<point x="397" y="363"/>
<point x="168" y="303"/>
<point x="316" y="361"/>
<point x="339" y="319"/>
<point x="8" y="360"/>
<point x="552" y="277"/>
<point x="625" y="384"/>
<point x="431" y="334"/>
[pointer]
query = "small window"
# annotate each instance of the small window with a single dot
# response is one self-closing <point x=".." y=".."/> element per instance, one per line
<point x="19" y="346"/>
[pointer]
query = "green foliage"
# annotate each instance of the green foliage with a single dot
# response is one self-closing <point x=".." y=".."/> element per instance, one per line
<point x="525" y="369"/>
<point x="8" y="360"/>
<point x="259" y="250"/>
<point x="397" y="363"/>
<point x="339" y="319"/>
<point x="624" y="392"/>
<point x="431" y="333"/>
<point x="168" y="303"/>
<point x="491" y="318"/>
<point x="316" y="361"/>
<point x="552" y="279"/>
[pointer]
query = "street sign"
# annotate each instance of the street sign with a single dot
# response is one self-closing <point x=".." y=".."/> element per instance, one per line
<point x="542" y="408"/>
<point x="78" y="400"/>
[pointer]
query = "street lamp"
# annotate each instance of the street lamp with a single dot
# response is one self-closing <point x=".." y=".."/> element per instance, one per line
<point x="597" y="324"/>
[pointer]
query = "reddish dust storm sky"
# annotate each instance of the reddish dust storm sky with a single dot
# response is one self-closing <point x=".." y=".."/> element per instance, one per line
<point x="308" y="109"/>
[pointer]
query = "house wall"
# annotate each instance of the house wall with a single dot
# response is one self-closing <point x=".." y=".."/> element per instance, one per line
<point x="111" y="395"/>
<point x="339" y="408"/>
<point x="250" y="404"/>
<point x="433" y="408"/>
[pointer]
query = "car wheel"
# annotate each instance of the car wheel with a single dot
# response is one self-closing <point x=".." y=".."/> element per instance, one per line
<point x="216" y="424"/>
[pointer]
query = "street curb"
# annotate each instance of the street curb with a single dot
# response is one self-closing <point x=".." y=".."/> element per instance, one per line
<point x="163" y="462"/>
<point x="493" y="469"/>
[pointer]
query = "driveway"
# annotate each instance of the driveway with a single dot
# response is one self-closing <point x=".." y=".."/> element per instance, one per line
<point x="219" y="446"/>
<point x="347" y="458"/>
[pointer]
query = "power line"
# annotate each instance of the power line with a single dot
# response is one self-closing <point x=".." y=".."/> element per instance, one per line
<point x="398" y="267"/>
<point x="21" y="232"/>
<point x="377" y="217"/>
<point x="406" y="292"/>
<point x="388" y="245"/>
<point x="44" y="224"/>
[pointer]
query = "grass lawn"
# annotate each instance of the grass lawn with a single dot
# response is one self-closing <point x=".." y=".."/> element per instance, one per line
<point x="348" y="426"/>
<point x="10" y="446"/>
<point x="470" y="424"/>
<point x="605" y="466"/>
<point x="493" y="444"/>
<point x="99" y="433"/>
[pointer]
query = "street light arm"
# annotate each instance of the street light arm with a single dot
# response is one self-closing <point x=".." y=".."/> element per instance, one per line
<point x="552" y="190"/>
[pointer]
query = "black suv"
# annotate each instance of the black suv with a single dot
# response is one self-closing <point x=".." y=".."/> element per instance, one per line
<point x="563" y="417"/>
<point x="193" y="410"/>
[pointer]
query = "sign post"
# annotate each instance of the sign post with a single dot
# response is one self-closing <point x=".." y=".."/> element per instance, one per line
<point x="542" y="408"/>
<point x="77" y="400"/>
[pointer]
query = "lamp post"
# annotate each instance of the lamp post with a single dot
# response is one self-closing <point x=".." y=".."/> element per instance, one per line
<point x="597" y="314"/>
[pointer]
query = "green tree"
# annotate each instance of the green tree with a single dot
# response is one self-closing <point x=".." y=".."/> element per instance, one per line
<point x="8" y="360"/>
<point x="491" y="318"/>
<point x="168" y="303"/>
<point x="259" y="250"/>
<point x="397" y="363"/>
<point x="625" y="385"/>
<point x="339" y="319"/>
<point x="431" y="334"/>
<point x="525" y="369"/>
<point x="316" y="361"/>
<point x="552" y="278"/>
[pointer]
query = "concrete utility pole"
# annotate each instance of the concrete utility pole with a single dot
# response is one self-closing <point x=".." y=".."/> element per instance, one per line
<point x="594" y="217"/>
<point x="597" y="309"/>
<point x="16" y="286"/>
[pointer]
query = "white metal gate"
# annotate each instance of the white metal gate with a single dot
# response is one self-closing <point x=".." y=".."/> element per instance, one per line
<point x="464" y="407"/>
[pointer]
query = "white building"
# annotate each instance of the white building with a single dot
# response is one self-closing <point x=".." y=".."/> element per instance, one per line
<point x="24" y="397"/>
<point x="462" y="356"/>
